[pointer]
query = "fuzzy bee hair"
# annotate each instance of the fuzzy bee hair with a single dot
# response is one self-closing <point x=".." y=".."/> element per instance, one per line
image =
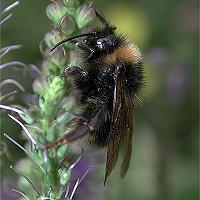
<point x="108" y="80"/>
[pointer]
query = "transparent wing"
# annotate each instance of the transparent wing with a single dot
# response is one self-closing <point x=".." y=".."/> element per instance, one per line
<point x="127" y="144"/>
<point x="119" y="123"/>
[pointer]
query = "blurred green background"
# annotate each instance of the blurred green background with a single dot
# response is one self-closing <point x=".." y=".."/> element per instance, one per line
<point x="165" y="159"/>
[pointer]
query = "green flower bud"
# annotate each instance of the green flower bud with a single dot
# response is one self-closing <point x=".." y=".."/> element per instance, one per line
<point x="51" y="134"/>
<point x="62" y="150"/>
<point x="51" y="165"/>
<point x="71" y="5"/>
<point x="55" y="11"/>
<point x="67" y="25"/>
<point x="54" y="91"/>
<point x="65" y="176"/>
<point x="49" y="179"/>
<point x="85" y="14"/>
<point x="44" y="125"/>
<point x="38" y="158"/>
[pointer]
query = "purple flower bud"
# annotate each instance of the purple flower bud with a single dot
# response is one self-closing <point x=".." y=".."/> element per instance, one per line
<point x="58" y="57"/>
<point x="67" y="25"/>
<point x="48" y="68"/>
<point x="39" y="85"/>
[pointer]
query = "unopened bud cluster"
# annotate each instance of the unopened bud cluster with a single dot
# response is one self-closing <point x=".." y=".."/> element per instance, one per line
<point x="49" y="117"/>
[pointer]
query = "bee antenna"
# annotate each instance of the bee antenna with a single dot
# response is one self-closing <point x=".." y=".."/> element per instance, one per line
<point x="71" y="38"/>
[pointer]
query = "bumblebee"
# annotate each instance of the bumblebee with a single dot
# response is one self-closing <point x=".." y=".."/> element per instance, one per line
<point x="110" y="77"/>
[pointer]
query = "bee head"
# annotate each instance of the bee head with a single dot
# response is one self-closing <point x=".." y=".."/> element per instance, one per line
<point x="101" y="41"/>
<point x="98" y="42"/>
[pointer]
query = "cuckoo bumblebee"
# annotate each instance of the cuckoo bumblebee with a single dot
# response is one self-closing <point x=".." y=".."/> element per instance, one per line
<point x="110" y="77"/>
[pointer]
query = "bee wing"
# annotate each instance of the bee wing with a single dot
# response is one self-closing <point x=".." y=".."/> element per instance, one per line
<point x="127" y="144"/>
<point x="119" y="119"/>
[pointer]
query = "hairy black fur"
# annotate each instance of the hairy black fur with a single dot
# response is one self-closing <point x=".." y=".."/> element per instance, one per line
<point x="109" y="78"/>
<point x="95" y="80"/>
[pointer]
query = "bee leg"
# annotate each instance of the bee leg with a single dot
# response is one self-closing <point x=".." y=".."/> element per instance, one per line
<point x="86" y="128"/>
<point x="77" y="133"/>
<point x="91" y="54"/>
<point x="80" y="117"/>
<point x="85" y="47"/>
<point x="74" y="71"/>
